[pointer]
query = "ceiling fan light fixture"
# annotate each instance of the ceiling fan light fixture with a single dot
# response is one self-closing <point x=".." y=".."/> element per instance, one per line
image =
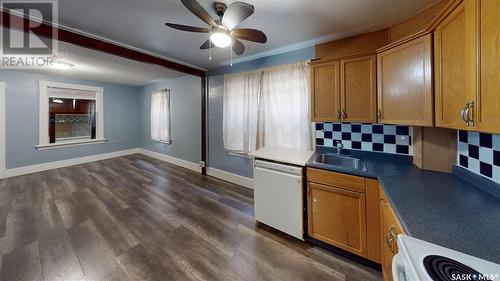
<point x="221" y="39"/>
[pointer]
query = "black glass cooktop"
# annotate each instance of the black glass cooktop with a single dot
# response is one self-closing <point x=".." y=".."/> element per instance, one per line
<point x="442" y="268"/>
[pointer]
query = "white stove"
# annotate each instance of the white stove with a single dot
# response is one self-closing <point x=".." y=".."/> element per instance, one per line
<point x="418" y="260"/>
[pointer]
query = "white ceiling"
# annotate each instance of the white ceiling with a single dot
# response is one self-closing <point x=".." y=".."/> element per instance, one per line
<point x="97" y="66"/>
<point x="288" y="23"/>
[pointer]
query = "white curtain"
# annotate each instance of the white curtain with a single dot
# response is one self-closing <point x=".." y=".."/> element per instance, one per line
<point x="240" y="111"/>
<point x="160" y="116"/>
<point x="268" y="107"/>
<point x="284" y="107"/>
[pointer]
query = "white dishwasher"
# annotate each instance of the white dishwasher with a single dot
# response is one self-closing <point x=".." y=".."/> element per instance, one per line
<point x="278" y="196"/>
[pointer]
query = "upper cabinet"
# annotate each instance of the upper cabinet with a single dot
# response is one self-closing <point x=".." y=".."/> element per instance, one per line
<point x="404" y="75"/>
<point x="344" y="90"/>
<point x="483" y="63"/>
<point x="451" y="96"/>
<point x="358" y="89"/>
<point x="467" y="63"/>
<point x="325" y="92"/>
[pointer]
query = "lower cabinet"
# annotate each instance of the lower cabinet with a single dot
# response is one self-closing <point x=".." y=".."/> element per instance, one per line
<point x="343" y="212"/>
<point x="390" y="229"/>
<point x="338" y="217"/>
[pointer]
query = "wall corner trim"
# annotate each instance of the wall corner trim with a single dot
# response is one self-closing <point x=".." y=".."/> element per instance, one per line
<point x="170" y="159"/>
<point x="233" y="178"/>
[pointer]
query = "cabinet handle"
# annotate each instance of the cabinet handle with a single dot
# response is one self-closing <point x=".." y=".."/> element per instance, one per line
<point x="389" y="239"/>
<point x="338" y="114"/>
<point x="466" y="115"/>
<point x="462" y="113"/>
<point x="383" y="202"/>
<point x="470" y="122"/>
<point x="379" y="114"/>
<point x="344" y="114"/>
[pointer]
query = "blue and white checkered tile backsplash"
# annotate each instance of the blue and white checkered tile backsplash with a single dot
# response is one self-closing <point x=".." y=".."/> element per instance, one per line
<point x="480" y="153"/>
<point x="368" y="137"/>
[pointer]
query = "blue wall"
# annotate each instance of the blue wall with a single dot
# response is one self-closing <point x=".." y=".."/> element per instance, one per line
<point x="185" y="106"/>
<point x="121" y="120"/>
<point x="217" y="157"/>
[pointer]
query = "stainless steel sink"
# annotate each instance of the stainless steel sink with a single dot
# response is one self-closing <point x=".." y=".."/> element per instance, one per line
<point x="340" y="161"/>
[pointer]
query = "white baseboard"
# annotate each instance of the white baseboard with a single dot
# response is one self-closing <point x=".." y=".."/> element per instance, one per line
<point x="237" y="179"/>
<point x="64" y="163"/>
<point x="170" y="159"/>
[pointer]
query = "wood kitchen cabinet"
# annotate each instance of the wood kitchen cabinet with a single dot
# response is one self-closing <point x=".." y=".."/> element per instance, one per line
<point x="484" y="27"/>
<point x="404" y="74"/>
<point x="451" y="96"/>
<point x="337" y="217"/>
<point x="358" y="89"/>
<point x="344" y="90"/>
<point x="390" y="229"/>
<point x="340" y="209"/>
<point x="325" y="92"/>
<point x="467" y="63"/>
<point x="483" y="63"/>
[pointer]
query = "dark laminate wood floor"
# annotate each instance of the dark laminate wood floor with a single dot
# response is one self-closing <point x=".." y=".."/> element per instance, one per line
<point x="137" y="218"/>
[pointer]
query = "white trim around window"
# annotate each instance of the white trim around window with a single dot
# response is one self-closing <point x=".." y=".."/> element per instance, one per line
<point x="2" y="129"/>
<point x="43" y="126"/>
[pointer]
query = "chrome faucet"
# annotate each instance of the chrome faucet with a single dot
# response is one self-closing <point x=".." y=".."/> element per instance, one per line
<point x="340" y="145"/>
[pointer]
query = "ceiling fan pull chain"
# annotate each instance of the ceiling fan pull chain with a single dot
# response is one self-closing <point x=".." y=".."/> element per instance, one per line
<point x="210" y="50"/>
<point x="231" y="52"/>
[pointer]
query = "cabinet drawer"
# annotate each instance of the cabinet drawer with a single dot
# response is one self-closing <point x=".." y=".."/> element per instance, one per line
<point x="343" y="181"/>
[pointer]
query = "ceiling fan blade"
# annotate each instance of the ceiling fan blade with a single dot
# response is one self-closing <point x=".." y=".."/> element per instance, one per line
<point x="236" y="13"/>
<point x="238" y="47"/>
<point x="199" y="11"/>
<point x="250" y="35"/>
<point x="187" y="28"/>
<point x="207" y="45"/>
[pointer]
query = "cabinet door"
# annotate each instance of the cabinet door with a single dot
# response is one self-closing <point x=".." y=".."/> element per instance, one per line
<point x="485" y="15"/>
<point x="358" y="89"/>
<point x="337" y="217"/>
<point x="390" y="230"/>
<point x="451" y="95"/>
<point x="405" y="83"/>
<point x="325" y="92"/>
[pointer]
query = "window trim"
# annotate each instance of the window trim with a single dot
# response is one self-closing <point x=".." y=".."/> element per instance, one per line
<point x="43" y="117"/>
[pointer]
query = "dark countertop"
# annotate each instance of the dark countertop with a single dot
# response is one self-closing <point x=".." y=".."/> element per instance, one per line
<point x="440" y="208"/>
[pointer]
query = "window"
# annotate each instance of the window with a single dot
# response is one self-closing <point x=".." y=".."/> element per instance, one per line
<point x="268" y="107"/>
<point x="160" y="116"/>
<point x="240" y="109"/>
<point x="70" y="115"/>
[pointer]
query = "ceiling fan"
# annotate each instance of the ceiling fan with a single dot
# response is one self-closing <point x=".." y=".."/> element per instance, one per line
<point x="222" y="31"/>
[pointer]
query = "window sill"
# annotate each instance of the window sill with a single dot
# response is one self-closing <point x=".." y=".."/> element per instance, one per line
<point x="68" y="144"/>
